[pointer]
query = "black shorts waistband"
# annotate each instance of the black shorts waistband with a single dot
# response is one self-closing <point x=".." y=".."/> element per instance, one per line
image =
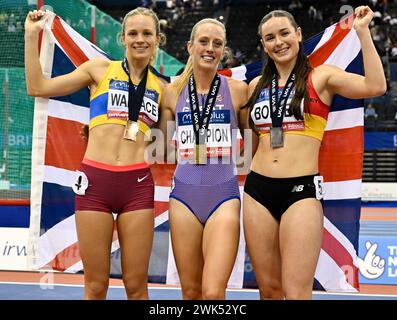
<point x="266" y="179"/>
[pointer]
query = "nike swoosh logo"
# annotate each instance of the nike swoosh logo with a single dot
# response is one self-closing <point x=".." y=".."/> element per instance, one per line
<point x="141" y="179"/>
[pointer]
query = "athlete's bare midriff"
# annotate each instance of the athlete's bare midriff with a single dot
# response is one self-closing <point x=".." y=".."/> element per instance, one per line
<point x="298" y="157"/>
<point x="106" y="144"/>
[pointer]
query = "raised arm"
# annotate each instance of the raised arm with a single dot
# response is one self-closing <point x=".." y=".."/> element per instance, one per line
<point x="37" y="85"/>
<point x="354" y="86"/>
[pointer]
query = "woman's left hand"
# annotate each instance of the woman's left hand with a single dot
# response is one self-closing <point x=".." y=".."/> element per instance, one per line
<point x="363" y="18"/>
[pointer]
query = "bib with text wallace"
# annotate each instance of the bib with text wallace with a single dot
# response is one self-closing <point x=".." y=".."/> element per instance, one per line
<point x="117" y="106"/>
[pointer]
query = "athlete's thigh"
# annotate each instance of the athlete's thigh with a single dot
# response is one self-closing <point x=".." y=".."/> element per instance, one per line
<point x="186" y="237"/>
<point x="220" y="243"/>
<point x="261" y="232"/>
<point x="95" y="232"/>
<point x="135" y="232"/>
<point x="301" y="231"/>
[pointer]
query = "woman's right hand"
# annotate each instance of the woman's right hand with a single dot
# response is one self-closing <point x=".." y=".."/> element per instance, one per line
<point x="35" y="21"/>
<point x="364" y="16"/>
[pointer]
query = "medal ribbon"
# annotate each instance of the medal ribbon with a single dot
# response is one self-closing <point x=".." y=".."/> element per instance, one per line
<point x="200" y="123"/>
<point x="278" y="105"/>
<point x="135" y="96"/>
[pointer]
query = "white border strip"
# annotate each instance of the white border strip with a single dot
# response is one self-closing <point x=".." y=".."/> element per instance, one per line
<point x="163" y="217"/>
<point x="339" y="190"/>
<point x="346" y="51"/>
<point x="162" y="193"/>
<point x="342" y="239"/>
<point x="68" y="111"/>
<point x="89" y="49"/>
<point x="328" y="32"/>
<point x="330" y="275"/>
<point x="56" y="239"/>
<point x="173" y="288"/>
<point x="59" y="176"/>
<point x="345" y="119"/>
<point x="38" y="150"/>
<point x="238" y="73"/>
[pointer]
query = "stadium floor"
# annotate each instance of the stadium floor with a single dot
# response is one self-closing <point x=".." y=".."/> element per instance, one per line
<point x="21" y="285"/>
<point x="45" y="286"/>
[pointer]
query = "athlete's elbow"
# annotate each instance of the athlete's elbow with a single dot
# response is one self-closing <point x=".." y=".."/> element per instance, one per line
<point x="33" y="92"/>
<point x="379" y="90"/>
<point x="376" y="89"/>
<point x="382" y="88"/>
<point x="35" y="86"/>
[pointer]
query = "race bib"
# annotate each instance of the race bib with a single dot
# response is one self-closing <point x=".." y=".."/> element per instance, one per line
<point x="319" y="184"/>
<point x="117" y="106"/>
<point x="80" y="183"/>
<point x="150" y="107"/>
<point x="218" y="139"/>
<point x="261" y="116"/>
<point x="118" y="99"/>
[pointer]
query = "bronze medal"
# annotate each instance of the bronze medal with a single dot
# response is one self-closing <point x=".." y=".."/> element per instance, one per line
<point x="131" y="130"/>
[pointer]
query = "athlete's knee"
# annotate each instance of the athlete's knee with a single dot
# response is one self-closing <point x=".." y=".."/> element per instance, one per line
<point x="271" y="290"/>
<point x="213" y="293"/>
<point x="96" y="289"/>
<point x="297" y="292"/>
<point x="192" y="293"/>
<point x="136" y="289"/>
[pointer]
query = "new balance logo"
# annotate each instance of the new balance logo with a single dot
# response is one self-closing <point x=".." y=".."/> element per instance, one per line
<point x="141" y="179"/>
<point x="298" y="188"/>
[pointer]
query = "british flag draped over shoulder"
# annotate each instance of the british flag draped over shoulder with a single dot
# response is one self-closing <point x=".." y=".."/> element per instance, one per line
<point x="58" y="148"/>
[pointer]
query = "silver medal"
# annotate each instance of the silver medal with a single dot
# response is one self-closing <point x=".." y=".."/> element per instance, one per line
<point x="276" y="137"/>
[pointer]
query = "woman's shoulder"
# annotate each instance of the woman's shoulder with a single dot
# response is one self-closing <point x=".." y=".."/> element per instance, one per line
<point x="254" y="82"/>
<point x="160" y="79"/>
<point x="324" y="70"/>
<point x="238" y="90"/>
<point x="169" y="88"/>
<point x="170" y="96"/>
<point x="98" y="62"/>
<point x="96" y="68"/>
<point x="238" y="85"/>
<point x="321" y="74"/>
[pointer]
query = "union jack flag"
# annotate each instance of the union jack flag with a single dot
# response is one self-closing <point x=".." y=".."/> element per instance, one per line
<point x="58" y="148"/>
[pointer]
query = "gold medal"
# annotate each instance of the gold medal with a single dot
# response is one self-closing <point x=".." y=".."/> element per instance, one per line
<point x="131" y="130"/>
<point x="200" y="154"/>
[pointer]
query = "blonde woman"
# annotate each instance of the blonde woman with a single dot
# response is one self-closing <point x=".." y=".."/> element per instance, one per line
<point x="114" y="177"/>
<point x="204" y="210"/>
